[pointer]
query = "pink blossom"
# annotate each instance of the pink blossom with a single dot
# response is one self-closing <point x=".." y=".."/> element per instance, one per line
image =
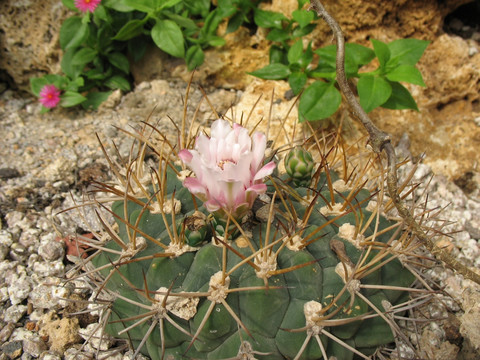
<point x="49" y="96"/>
<point x="229" y="168"/>
<point x="87" y="5"/>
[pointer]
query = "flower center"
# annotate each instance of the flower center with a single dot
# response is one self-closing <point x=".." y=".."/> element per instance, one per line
<point x="221" y="163"/>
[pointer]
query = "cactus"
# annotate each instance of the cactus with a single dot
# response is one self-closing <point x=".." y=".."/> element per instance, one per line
<point x="278" y="267"/>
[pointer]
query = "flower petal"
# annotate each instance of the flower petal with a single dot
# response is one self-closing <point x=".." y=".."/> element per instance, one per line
<point x="185" y="155"/>
<point x="265" y="171"/>
<point x="195" y="186"/>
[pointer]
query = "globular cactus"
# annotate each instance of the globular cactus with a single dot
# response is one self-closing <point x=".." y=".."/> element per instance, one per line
<point x="216" y="256"/>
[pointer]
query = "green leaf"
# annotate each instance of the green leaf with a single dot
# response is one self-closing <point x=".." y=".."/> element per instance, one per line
<point x="299" y="31"/>
<point x="169" y="3"/>
<point x="147" y="6"/>
<point x="71" y="98"/>
<point x="198" y="7"/>
<point x="73" y="33"/>
<point x="361" y="55"/>
<point x="117" y="82"/>
<point x="406" y="73"/>
<point x="211" y="23"/>
<point x="278" y="35"/>
<point x="297" y="81"/>
<point x="328" y="60"/>
<point x="277" y="55"/>
<point x="118" y="5"/>
<point x="268" y="19"/>
<point x="194" y="57"/>
<point x="130" y="30"/>
<point x="181" y="21"/>
<point x="75" y="84"/>
<point x="373" y="91"/>
<point x="36" y="85"/>
<point x="234" y="22"/>
<point x="382" y="51"/>
<point x="216" y="41"/>
<point x="400" y="99"/>
<point x="307" y="56"/>
<point x="168" y="36"/>
<point x="97" y="74"/>
<point x="83" y="56"/>
<point x="95" y="98"/>
<point x="101" y="15"/>
<point x="319" y="101"/>
<point x="407" y="51"/>
<point x="120" y="61"/>
<point x="70" y="4"/>
<point x="303" y="17"/>
<point x="137" y="47"/>
<point x="72" y="71"/>
<point x="295" y="52"/>
<point x="272" y="72"/>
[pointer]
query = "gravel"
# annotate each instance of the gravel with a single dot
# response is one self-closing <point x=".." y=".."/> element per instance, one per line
<point x="46" y="163"/>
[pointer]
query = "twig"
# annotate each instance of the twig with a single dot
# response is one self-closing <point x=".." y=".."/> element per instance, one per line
<point x="381" y="141"/>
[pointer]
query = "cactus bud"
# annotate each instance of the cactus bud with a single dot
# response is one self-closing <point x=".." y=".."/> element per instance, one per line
<point x="299" y="165"/>
<point x="195" y="228"/>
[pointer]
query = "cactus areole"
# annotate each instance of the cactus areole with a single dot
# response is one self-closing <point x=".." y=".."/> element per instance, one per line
<point x="285" y="284"/>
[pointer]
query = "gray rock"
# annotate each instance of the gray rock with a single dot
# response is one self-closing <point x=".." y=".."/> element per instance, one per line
<point x="50" y="355"/>
<point x="34" y="346"/>
<point x="19" y="288"/>
<point x="18" y="252"/>
<point x="13" y="349"/>
<point x="51" y="250"/>
<point x="14" y="313"/>
<point x="6" y="332"/>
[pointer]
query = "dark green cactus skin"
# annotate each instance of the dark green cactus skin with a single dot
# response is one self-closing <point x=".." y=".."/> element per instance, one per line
<point x="266" y="313"/>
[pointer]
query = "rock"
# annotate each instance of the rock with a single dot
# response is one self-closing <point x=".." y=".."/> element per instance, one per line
<point x="51" y="250"/>
<point x="5" y="242"/>
<point x="6" y="332"/>
<point x="61" y="333"/>
<point x="29" y="36"/>
<point x="51" y="355"/>
<point x="13" y="349"/>
<point x="92" y="334"/>
<point x="8" y="173"/>
<point x="470" y="326"/>
<point x="34" y="346"/>
<point x="18" y="252"/>
<point x="150" y="66"/>
<point x="14" y="313"/>
<point x="74" y="354"/>
<point x="19" y="288"/>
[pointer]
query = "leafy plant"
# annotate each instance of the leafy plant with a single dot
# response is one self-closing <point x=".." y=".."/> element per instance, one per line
<point x="290" y="60"/>
<point x="99" y="44"/>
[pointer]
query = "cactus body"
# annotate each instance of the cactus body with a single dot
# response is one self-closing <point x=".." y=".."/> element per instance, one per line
<point x="269" y="274"/>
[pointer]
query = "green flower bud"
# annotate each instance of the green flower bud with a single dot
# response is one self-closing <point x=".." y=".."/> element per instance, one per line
<point x="195" y="228"/>
<point x="299" y="165"/>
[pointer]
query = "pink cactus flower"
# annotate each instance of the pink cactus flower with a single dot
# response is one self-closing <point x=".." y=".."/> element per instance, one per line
<point x="229" y="168"/>
<point x="49" y="96"/>
<point x="87" y="5"/>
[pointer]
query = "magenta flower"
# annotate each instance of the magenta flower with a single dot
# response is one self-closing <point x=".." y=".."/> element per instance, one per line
<point x="229" y="168"/>
<point x="49" y="96"/>
<point x="87" y="5"/>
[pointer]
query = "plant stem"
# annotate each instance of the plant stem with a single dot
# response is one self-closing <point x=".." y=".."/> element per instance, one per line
<point x="381" y="141"/>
